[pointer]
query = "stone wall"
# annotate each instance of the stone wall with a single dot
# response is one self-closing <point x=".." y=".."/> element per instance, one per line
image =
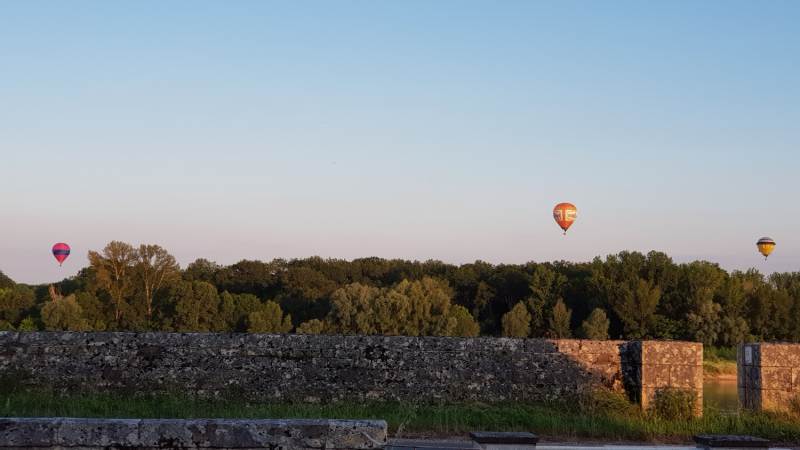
<point x="768" y="375"/>
<point x="649" y="366"/>
<point x="144" y="434"/>
<point x="311" y="368"/>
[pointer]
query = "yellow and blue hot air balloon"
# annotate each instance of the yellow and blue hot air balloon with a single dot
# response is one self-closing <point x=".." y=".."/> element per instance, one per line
<point x="765" y="246"/>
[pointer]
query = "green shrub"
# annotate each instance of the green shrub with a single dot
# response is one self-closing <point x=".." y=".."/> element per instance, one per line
<point x="674" y="404"/>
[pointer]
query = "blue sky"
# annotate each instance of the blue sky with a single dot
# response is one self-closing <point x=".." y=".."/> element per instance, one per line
<point x="416" y="130"/>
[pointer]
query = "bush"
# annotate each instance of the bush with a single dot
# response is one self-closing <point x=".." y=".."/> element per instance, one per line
<point x="674" y="404"/>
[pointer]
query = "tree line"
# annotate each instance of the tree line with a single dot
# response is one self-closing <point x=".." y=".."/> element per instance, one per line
<point x="626" y="295"/>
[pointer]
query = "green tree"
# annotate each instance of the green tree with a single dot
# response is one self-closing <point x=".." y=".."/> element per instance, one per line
<point x="225" y="320"/>
<point x="425" y="308"/>
<point x="202" y="270"/>
<point x="13" y="303"/>
<point x="638" y="302"/>
<point x="113" y="270"/>
<point x="269" y="320"/>
<point x="390" y="311"/>
<point x="195" y="305"/>
<point x="611" y="279"/>
<point x="517" y="322"/>
<point x="546" y="286"/>
<point x="28" y="324"/>
<point x="14" y="299"/>
<point x="63" y="314"/>
<point x="559" y="320"/>
<point x="701" y="280"/>
<point x="313" y="326"/>
<point x="153" y="266"/>
<point x="6" y="282"/>
<point x="351" y="311"/>
<point x="244" y="304"/>
<point x="466" y="326"/>
<point x="92" y="309"/>
<point x="596" y="326"/>
<point x="234" y="310"/>
<point x="734" y="328"/>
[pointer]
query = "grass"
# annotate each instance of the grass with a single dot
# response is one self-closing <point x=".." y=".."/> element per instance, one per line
<point x="603" y="416"/>
<point x="719" y="361"/>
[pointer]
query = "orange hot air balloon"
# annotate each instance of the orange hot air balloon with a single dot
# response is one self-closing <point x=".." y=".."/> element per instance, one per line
<point x="565" y="214"/>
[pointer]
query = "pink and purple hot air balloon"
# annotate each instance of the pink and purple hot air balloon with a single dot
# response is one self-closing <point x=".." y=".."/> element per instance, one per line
<point x="61" y="251"/>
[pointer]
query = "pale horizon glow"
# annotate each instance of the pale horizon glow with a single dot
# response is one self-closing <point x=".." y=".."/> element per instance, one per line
<point x="414" y="130"/>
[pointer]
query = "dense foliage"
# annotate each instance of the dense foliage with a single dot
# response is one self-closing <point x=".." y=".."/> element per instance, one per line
<point x="628" y="295"/>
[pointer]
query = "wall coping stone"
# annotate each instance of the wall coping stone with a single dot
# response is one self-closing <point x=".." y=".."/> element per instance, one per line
<point x="275" y="434"/>
<point x="501" y="437"/>
<point x="730" y="441"/>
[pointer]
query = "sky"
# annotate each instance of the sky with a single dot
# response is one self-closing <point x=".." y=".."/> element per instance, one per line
<point x="419" y="130"/>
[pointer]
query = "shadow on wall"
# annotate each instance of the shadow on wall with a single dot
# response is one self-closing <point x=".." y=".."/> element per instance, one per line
<point x="314" y="368"/>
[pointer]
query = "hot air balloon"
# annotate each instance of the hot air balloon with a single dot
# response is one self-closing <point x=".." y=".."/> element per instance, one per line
<point x="565" y="214"/>
<point x="765" y="246"/>
<point x="61" y="251"/>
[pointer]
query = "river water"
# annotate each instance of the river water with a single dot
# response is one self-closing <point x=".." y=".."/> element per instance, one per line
<point x="723" y="392"/>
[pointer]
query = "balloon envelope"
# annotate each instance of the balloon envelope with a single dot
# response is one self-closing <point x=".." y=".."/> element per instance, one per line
<point x="565" y="214"/>
<point x="61" y="251"/>
<point x="765" y="246"/>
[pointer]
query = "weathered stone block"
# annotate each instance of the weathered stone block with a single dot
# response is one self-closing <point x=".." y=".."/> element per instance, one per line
<point x="490" y="440"/>
<point x="776" y="378"/>
<point x="29" y="433"/>
<point x="796" y="379"/>
<point x="105" y="433"/>
<point x="774" y="399"/>
<point x="780" y="355"/>
<point x="655" y="375"/>
<point x="769" y="374"/>
<point x="98" y="434"/>
<point x="672" y="353"/>
<point x="650" y="365"/>
<point x="708" y="442"/>
<point x="686" y="377"/>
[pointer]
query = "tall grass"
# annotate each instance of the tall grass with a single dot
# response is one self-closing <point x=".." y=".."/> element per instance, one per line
<point x="605" y="415"/>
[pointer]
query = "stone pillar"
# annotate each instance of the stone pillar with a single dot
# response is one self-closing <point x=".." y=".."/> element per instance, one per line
<point x="767" y="374"/>
<point x="648" y="366"/>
